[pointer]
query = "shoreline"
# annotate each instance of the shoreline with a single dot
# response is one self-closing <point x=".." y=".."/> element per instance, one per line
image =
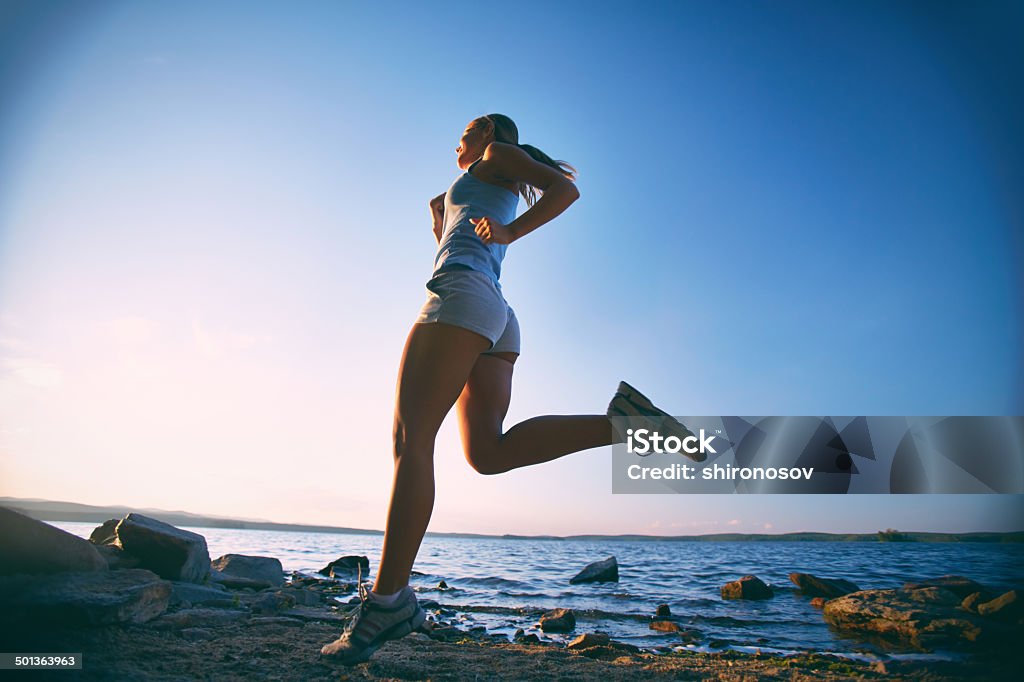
<point x="276" y="633"/>
<point x="143" y="600"/>
<point x="285" y="648"/>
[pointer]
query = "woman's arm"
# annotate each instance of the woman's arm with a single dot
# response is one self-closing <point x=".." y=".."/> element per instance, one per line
<point x="437" y="215"/>
<point x="559" y="191"/>
<point x="552" y="203"/>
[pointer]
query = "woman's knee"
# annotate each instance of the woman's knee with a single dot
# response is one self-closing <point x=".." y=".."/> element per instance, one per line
<point x="411" y="440"/>
<point x="484" y="459"/>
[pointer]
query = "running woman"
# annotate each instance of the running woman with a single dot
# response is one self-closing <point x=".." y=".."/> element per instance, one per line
<point x="461" y="352"/>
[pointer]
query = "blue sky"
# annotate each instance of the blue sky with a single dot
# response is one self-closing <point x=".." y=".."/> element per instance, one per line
<point x="214" y="237"/>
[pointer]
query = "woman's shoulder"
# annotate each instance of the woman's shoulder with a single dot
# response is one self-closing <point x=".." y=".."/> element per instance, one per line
<point x="502" y="151"/>
<point x="500" y="165"/>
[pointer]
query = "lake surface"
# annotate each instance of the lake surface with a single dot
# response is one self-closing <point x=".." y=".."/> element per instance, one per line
<point x="513" y="574"/>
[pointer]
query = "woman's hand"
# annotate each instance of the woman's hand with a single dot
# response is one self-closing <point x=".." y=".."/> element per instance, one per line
<point x="491" y="231"/>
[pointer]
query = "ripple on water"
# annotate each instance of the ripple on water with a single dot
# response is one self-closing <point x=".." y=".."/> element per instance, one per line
<point x="685" y="575"/>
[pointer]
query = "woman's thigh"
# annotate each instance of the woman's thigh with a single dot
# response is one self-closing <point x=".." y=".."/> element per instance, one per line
<point x="436" y="363"/>
<point x="483" y="404"/>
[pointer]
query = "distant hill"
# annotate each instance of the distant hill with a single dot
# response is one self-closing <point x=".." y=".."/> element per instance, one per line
<point x="48" y="510"/>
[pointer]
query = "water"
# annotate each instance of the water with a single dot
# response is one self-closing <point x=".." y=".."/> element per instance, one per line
<point x="507" y="583"/>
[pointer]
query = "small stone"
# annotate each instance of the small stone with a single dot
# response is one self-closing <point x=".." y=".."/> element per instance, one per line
<point x="747" y="587"/>
<point x="347" y="567"/>
<point x="663" y="611"/>
<point x="446" y="633"/>
<point x="664" y="626"/>
<point x="606" y="570"/>
<point x="589" y="639"/>
<point x="818" y="602"/>
<point x="558" y="620"/>
<point x="622" y="646"/>
<point x="269" y="604"/>
<point x="689" y="636"/>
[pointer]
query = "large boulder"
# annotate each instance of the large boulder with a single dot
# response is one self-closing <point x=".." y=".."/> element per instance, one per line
<point x="264" y="570"/>
<point x="829" y="588"/>
<point x="34" y="547"/>
<point x="925" y="616"/>
<point x="747" y="587"/>
<point x="604" y="571"/>
<point x="170" y="552"/>
<point x="92" y="598"/>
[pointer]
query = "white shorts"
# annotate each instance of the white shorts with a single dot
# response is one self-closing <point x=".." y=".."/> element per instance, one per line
<point x="469" y="299"/>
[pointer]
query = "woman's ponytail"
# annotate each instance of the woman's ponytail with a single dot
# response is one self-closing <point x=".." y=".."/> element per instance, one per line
<point x="505" y="130"/>
<point x="529" y="192"/>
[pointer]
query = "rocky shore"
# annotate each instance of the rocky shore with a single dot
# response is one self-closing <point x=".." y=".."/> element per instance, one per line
<point x="143" y="600"/>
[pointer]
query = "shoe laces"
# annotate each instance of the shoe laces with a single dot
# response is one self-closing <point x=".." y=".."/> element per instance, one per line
<point x="364" y="599"/>
<point x="364" y="591"/>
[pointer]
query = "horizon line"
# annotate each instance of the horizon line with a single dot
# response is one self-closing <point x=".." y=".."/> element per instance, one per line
<point x="209" y="521"/>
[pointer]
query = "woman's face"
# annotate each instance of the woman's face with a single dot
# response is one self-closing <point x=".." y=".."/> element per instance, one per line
<point x="474" y="140"/>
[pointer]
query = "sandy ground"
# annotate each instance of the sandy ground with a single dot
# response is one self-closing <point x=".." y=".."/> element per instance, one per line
<point x="287" y="649"/>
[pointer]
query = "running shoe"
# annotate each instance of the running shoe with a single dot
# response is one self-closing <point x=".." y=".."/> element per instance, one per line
<point x="641" y="413"/>
<point x="373" y="624"/>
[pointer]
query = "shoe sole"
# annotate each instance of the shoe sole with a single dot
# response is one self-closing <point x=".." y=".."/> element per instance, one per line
<point x="643" y="404"/>
<point x="396" y="631"/>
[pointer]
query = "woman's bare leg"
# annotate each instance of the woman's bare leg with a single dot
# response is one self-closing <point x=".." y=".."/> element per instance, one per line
<point x="482" y="407"/>
<point x="436" y="362"/>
